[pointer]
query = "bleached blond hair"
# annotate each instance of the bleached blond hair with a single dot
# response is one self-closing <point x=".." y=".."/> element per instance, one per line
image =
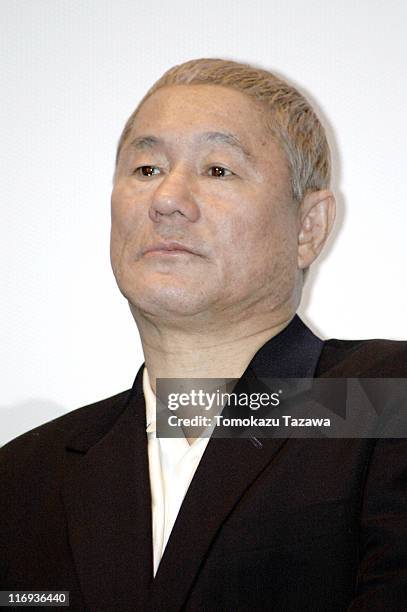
<point x="290" y="117"/>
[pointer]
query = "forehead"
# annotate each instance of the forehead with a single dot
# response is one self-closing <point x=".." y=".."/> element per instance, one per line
<point x="185" y="110"/>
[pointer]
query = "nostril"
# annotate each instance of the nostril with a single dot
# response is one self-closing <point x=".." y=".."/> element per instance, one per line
<point x="181" y="206"/>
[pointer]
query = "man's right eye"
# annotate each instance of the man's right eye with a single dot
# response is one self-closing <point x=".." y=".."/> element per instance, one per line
<point x="147" y="171"/>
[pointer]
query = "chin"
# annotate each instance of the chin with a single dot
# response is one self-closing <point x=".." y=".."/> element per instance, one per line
<point x="166" y="302"/>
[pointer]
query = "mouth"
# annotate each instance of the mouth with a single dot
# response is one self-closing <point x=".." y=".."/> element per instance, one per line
<point x="168" y="249"/>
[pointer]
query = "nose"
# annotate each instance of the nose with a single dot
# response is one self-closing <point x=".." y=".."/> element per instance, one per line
<point x="173" y="199"/>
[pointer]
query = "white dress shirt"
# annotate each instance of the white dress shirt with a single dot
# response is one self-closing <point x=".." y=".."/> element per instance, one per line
<point x="172" y="463"/>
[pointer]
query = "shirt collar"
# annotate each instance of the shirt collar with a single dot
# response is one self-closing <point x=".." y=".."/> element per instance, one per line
<point x="173" y="449"/>
<point x="150" y="400"/>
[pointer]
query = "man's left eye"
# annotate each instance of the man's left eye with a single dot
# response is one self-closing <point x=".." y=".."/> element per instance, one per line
<point x="219" y="172"/>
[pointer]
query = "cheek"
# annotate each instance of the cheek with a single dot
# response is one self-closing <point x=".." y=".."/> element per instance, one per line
<point x="121" y="207"/>
<point x="126" y="216"/>
<point x="122" y="225"/>
<point x="261" y="244"/>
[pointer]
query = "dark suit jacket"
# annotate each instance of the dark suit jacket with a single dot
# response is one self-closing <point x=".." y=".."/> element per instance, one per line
<point x="292" y="525"/>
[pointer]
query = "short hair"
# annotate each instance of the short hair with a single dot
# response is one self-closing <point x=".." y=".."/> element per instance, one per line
<point x="290" y="117"/>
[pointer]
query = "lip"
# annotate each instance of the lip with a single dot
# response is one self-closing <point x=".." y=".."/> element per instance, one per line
<point x="169" y="249"/>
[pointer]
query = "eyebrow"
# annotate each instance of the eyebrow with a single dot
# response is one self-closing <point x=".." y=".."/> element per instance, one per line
<point x="142" y="143"/>
<point x="225" y="138"/>
<point x="145" y="142"/>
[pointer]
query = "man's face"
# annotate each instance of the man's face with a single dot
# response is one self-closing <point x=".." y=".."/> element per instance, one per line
<point x="203" y="221"/>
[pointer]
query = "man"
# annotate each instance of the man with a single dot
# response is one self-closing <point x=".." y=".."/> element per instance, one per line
<point x="220" y="204"/>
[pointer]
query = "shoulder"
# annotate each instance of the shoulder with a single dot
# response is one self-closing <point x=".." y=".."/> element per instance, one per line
<point x="50" y="439"/>
<point x="363" y="358"/>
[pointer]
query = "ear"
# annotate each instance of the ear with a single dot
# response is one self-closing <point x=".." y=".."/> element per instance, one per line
<point x="316" y="218"/>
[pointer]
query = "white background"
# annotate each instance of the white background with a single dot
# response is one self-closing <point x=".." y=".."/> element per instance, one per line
<point x="73" y="70"/>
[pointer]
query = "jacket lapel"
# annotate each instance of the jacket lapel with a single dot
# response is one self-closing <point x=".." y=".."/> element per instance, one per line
<point x="108" y="507"/>
<point x="227" y="470"/>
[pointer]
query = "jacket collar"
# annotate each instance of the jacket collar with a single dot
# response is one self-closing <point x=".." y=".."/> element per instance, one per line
<point x="293" y="353"/>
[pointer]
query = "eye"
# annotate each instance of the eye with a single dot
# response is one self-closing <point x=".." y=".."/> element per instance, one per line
<point x="147" y="171"/>
<point x="219" y="172"/>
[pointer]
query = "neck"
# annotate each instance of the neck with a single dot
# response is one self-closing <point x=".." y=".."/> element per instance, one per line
<point x="212" y="352"/>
